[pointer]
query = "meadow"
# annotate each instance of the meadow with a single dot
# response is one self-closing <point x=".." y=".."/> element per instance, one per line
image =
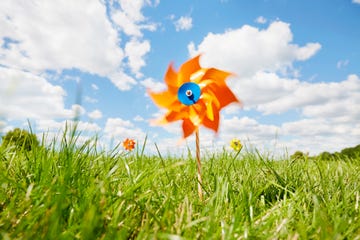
<point x="72" y="191"/>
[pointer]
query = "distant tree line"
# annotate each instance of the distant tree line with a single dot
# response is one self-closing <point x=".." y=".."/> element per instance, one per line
<point x="345" y="154"/>
<point x="21" y="139"/>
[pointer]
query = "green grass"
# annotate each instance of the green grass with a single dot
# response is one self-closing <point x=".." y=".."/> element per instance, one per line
<point x="74" y="192"/>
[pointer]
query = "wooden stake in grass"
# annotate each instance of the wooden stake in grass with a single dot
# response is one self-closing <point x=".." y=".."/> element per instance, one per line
<point x="198" y="161"/>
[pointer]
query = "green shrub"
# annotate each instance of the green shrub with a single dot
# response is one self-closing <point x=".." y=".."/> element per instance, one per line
<point x="352" y="152"/>
<point x="326" y="156"/>
<point x="20" y="139"/>
<point x="298" y="155"/>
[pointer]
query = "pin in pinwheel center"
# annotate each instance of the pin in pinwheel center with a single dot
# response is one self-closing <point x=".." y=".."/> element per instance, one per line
<point x="189" y="93"/>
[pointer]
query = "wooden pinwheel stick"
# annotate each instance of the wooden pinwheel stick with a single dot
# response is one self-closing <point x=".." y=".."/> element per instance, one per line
<point x="198" y="164"/>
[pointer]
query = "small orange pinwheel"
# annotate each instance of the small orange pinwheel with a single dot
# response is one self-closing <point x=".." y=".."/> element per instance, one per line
<point x="194" y="95"/>
<point x="129" y="144"/>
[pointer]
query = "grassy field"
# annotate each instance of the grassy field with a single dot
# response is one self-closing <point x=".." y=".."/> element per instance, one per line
<point x="75" y="192"/>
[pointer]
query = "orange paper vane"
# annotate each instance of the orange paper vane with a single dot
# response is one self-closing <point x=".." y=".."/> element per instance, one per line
<point x="194" y="95"/>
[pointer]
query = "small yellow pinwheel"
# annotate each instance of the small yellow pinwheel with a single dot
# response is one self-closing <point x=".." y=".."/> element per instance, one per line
<point x="236" y="144"/>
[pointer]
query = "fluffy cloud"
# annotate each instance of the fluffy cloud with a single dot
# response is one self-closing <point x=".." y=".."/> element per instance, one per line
<point x="262" y="88"/>
<point x="96" y="114"/>
<point x="90" y="99"/>
<point x="261" y="20"/>
<point x="261" y="53"/>
<point x="248" y="50"/>
<point x="314" y="99"/>
<point x="94" y="87"/>
<point x="54" y="35"/>
<point x="122" y="80"/>
<point x="155" y="86"/>
<point x="135" y="51"/>
<point x="267" y="83"/>
<point x="310" y="134"/>
<point x="320" y="134"/>
<point x="40" y="35"/>
<point x="117" y="128"/>
<point x="247" y="128"/>
<point x="25" y="95"/>
<point x="138" y="118"/>
<point x="57" y="128"/>
<point x="183" y="23"/>
<point x="342" y="63"/>
<point x="129" y="17"/>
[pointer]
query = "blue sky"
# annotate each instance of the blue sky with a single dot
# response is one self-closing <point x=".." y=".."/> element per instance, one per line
<point x="296" y="64"/>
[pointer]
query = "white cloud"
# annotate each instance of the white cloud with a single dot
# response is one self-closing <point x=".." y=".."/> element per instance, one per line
<point x="320" y="134"/>
<point x="117" y="128"/>
<point x="306" y="52"/>
<point x="266" y="81"/>
<point x="314" y="135"/>
<point x="330" y="108"/>
<point x="94" y="87"/>
<point x="122" y="80"/>
<point x="171" y="17"/>
<point x="261" y="20"/>
<point x="315" y="99"/>
<point x="129" y="17"/>
<point x="96" y="114"/>
<point x="76" y="111"/>
<point x="58" y="127"/>
<point x="248" y="50"/>
<point x="255" y="56"/>
<point x="129" y="27"/>
<point x="58" y="30"/>
<point x="135" y="51"/>
<point x="356" y="1"/>
<point x="138" y="118"/>
<point x="57" y="35"/>
<point x="309" y="128"/>
<point x="262" y="88"/>
<point x="246" y="127"/>
<point x="183" y="23"/>
<point x="155" y="86"/>
<point x="40" y="39"/>
<point x="342" y="63"/>
<point x="90" y="99"/>
<point x="24" y="95"/>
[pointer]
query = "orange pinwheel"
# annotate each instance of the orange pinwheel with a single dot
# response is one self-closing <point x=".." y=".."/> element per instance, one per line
<point x="129" y="144"/>
<point x="194" y="95"/>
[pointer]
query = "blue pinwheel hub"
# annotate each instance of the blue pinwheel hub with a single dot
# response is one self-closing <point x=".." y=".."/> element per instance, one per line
<point x="189" y="93"/>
